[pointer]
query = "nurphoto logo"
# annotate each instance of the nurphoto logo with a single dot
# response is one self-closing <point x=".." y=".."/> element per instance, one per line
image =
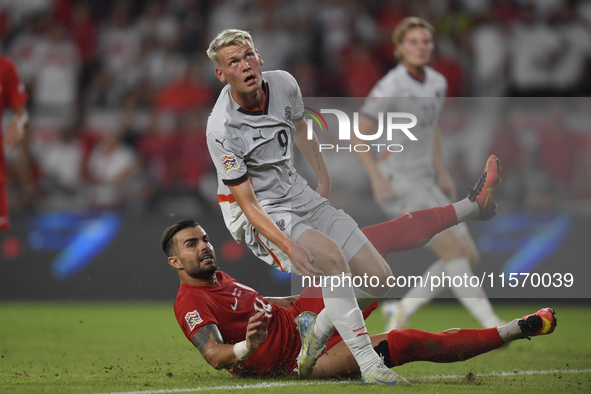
<point x="393" y="124"/>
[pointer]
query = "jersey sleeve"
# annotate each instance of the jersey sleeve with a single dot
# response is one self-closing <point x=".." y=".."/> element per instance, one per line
<point x="377" y="101"/>
<point x="227" y="158"/>
<point x="193" y="313"/>
<point x="17" y="95"/>
<point x="297" y="102"/>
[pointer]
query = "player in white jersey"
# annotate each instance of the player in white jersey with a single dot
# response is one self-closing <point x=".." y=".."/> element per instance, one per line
<point x="416" y="178"/>
<point x="266" y="204"/>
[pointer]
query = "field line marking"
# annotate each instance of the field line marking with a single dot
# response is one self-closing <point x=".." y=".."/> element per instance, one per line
<point x="516" y="373"/>
<point x="283" y="384"/>
<point x="234" y="387"/>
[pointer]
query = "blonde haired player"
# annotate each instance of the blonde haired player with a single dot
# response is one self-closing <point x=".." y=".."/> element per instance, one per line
<point x="416" y="178"/>
<point x="267" y="205"/>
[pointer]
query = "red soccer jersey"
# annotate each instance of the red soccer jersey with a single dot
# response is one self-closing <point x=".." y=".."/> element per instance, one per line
<point x="12" y="94"/>
<point x="229" y="305"/>
<point x="12" y="90"/>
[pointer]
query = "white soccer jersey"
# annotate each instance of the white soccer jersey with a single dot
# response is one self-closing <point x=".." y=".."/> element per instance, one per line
<point x="422" y="99"/>
<point x="256" y="146"/>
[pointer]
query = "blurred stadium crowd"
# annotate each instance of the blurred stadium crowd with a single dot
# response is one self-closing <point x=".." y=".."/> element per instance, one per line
<point x="120" y="90"/>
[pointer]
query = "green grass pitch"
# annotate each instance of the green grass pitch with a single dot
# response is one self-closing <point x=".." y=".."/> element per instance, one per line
<point x="122" y="347"/>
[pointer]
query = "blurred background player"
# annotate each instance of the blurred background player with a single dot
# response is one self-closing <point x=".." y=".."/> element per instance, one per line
<point x="417" y="178"/>
<point x="13" y="95"/>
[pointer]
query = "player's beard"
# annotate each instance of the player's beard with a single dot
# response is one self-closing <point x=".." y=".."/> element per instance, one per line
<point x="201" y="271"/>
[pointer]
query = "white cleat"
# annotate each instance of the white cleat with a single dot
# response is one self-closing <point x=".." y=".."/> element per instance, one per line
<point x="381" y="375"/>
<point x="311" y="345"/>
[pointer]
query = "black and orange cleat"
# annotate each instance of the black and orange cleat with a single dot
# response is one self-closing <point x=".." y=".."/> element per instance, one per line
<point x="543" y="322"/>
<point x="482" y="192"/>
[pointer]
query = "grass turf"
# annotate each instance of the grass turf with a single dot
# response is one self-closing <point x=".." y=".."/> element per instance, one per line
<point x="107" y="347"/>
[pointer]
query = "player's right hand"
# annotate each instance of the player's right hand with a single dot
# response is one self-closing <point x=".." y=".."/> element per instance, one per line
<point x="303" y="260"/>
<point x="257" y="331"/>
<point x="382" y="190"/>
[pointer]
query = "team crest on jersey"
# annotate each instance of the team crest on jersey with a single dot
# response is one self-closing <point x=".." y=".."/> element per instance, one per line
<point x="193" y="319"/>
<point x="230" y="163"/>
<point x="288" y="113"/>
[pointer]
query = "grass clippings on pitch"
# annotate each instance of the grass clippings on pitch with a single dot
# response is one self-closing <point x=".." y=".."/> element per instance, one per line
<point x="125" y="347"/>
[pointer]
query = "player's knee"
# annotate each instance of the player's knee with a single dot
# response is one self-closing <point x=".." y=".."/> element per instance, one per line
<point x="453" y="251"/>
<point x="332" y="262"/>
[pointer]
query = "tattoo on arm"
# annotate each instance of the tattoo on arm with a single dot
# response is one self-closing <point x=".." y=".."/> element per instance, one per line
<point x="203" y="336"/>
<point x="314" y="149"/>
<point x="282" y="301"/>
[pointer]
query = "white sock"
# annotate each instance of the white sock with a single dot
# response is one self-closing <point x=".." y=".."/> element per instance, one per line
<point x="323" y="328"/>
<point x="419" y="296"/>
<point x="510" y="331"/>
<point x="473" y="298"/>
<point x="466" y="209"/>
<point x="364" y="299"/>
<point x="341" y="307"/>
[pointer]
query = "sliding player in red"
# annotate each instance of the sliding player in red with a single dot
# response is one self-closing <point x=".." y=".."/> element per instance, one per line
<point x="236" y="328"/>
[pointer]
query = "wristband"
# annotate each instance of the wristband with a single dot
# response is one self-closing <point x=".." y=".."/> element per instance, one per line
<point x="241" y="351"/>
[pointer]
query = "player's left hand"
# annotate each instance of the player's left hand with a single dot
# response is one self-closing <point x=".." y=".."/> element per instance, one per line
<point x="257" y="331"/>
<point x="447" y="186"/>
<point x="14" y="134"/>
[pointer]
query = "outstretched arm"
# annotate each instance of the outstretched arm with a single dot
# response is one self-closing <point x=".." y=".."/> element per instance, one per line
<point x="311" y="151"/>
<point x="300" y="257"/>
<point x="381" y="187"/>
<point x="220" y="355"/>
<point x="446" y="184"/>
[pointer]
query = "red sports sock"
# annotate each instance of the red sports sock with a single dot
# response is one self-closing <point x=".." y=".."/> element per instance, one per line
<point x="416" y="345"/>
<point x="411" y="230"/>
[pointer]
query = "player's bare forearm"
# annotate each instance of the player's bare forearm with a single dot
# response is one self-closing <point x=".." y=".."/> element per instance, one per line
<point x="367" y="159"/>
<point x="262" y="222"/>
<point x="444" y="179"/>
<point x="380" y="186"/>
<point x="16" y="129"/>
<point x="311" y="151"/>
<point x="437" y="155"/>
<point x="210" y="344"/>
<point x="284" y="302"/>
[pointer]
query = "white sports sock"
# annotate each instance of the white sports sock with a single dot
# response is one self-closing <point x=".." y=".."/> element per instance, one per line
<point x="473" y="298"/>
<point x="341" y="307"/>
<point x="419" y="296"/>
<point x="466" y="209"/>
<point x="323" y="328"/>
<point x="364" y="299"/>
<point x="510" y="331"/>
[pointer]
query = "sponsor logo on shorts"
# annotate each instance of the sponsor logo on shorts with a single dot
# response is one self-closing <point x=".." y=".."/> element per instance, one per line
<point x="230" y="163"/>
<point x="193" y="319"/>
<point x="281" y="224"/>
